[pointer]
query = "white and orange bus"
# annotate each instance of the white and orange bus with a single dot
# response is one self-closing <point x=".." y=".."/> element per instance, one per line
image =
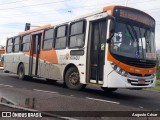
<point x="113" y="48"/>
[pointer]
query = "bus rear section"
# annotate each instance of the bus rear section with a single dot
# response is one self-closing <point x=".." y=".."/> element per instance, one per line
<point x="18" y="51"/>
<point x="2" y="51"/>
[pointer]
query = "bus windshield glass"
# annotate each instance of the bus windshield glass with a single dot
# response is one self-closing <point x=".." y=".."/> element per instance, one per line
<point x="131" y="40"/>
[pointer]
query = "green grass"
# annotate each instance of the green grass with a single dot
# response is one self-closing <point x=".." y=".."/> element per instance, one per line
<point x="157" y="87"/>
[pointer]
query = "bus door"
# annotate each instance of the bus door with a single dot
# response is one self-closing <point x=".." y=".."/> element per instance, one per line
<point x="35" y="51"/>
<point x="97" y="50"/>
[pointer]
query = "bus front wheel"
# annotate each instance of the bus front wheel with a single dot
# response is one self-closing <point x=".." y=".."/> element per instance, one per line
<point x="21" y="72"/>
<point x="72" y="79"/>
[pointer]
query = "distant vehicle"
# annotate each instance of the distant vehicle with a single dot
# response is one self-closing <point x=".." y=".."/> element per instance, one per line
<point x="113" y="48"/>
<point x="2" y="51"/>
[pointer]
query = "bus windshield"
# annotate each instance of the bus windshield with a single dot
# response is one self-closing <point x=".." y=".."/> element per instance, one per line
<point x="133" y="41"/>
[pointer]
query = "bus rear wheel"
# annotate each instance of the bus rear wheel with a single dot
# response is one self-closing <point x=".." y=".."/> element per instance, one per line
<point x="72" y="79"/>
<point x="21" y="72"/>
<point x="109" y="89"/>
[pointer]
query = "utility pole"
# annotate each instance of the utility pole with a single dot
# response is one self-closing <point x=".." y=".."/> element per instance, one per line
<point x="70" y="13"/>
<point x="126" y="3"/>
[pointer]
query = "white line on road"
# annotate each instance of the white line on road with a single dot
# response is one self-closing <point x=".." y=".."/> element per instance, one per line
<point x="102" y="100"/>
<point x="6" y="85"/>
<point x="44" y="91"/>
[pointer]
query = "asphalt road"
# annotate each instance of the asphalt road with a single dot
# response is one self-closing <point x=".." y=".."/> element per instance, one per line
<point x="54" y="96"/>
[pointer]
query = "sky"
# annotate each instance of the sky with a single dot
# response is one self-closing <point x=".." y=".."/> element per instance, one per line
<point x="15" y="13"/>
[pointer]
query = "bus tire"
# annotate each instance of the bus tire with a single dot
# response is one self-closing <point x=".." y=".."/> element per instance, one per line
<point x="21" y="72"/>
<point x="72" y="79"/>
<point x="109" y="89"/>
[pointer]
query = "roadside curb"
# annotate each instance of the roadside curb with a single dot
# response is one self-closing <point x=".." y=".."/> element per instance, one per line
<point x="151" y="90"/>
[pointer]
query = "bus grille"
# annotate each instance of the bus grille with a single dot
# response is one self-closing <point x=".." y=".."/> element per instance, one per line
<point x="140" y="75"/>
<point x="146" y="64"/>
<point x="135" y="82"/>
<point x="136" y="62"/>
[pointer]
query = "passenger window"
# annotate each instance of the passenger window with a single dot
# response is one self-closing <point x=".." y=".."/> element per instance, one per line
<point x="25" y="43"/>
<point x="9" y="45"/>
<point x="16" y="44"/>
<point x="48" y="39"/>
<point x="61" y="37"/>
<point x="76" y="36"/>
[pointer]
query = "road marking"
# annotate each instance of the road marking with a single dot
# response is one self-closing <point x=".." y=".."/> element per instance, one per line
<point x="141" y="107"/>
<point x="102" y="100"/>
<point x="44" y="91"/>
<point x="6" y="85"/>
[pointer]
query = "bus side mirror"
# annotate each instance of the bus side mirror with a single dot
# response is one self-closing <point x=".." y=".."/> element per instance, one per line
<point x="111" y="23"/>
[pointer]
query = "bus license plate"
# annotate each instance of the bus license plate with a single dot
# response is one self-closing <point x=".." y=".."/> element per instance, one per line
<point x="141" y="81"/>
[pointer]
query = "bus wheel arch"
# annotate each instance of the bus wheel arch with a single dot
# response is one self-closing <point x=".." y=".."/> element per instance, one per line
<point x="18" y="66"/>
<point x="21" y="71"/>
<point x="71" y="78"/>
<point x="66" y="68"/>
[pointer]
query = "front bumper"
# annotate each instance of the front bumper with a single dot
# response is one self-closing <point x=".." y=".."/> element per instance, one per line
<point x="115" y="80"/>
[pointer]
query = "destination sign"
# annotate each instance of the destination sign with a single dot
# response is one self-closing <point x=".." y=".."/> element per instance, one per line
<point x="134" y="15"/>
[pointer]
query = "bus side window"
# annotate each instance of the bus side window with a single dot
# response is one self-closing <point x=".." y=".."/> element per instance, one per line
<point x="61" y="37"/>
<point x="48" y="39"/>
<point x="25" y="43"/>
<point x="16" y="44"/>
<point x="9" y="45"/>
<point x="76" y="35"/>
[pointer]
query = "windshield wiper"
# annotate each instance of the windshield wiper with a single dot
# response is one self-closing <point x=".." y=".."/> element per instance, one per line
<point x="141" y="42"/>
<point x="136" y="37"/>
<point x="130" y="32"/>
<point x="148" y="48"/>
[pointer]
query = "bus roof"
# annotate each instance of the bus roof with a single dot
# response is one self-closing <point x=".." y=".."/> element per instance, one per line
<point x="78" y="17"/>
<point x="35" y="29"/>
<point x="104" y="9"/>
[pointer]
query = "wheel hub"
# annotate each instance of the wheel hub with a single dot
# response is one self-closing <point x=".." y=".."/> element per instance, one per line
<point x="74" y="78"/>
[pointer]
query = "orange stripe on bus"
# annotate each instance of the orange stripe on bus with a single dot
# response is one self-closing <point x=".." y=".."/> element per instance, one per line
<point x="49" y="56"/>
<point x="131" y="69"/>
<point x="105" y="9"/>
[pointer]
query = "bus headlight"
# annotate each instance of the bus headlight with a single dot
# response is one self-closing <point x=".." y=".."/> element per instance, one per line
<point x="119" y="70"/>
